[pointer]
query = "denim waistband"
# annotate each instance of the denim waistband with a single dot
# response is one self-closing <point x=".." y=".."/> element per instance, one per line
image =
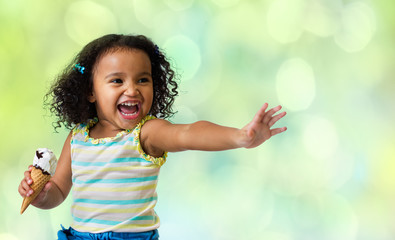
<point x="71" y="234"/>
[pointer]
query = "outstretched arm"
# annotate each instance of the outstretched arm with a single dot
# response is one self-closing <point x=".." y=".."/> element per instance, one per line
<point x="159" y="135"/>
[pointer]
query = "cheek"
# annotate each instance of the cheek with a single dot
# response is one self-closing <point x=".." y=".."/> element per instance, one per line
<point x="104" y="99"/>
<point x="150" y="101"/>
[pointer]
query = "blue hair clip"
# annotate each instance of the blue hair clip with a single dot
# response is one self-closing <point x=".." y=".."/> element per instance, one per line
<point x="156" y="49"/>
<point x="79" y="68"/>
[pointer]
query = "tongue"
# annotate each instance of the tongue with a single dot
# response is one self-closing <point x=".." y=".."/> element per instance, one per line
<point x="127" y="109"/>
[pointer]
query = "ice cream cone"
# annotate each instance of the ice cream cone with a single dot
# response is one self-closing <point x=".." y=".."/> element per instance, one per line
<point x="39" y="181"/>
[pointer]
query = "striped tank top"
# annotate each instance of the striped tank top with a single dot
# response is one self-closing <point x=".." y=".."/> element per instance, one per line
<point x="114" y="182"/>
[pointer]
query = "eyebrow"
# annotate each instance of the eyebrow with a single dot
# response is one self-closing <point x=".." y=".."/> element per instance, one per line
<point x="123" y="74"/>
<point x="145" y="73"/>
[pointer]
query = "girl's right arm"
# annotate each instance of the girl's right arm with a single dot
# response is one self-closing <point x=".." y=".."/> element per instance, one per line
<point x="158" y="135"/>
<point x="58" y="187"/>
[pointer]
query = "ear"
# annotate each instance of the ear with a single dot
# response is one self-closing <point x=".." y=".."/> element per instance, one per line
<point x="92" y="97"/>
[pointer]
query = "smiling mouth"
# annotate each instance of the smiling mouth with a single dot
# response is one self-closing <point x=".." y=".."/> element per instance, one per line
<point x="129" y="110"/>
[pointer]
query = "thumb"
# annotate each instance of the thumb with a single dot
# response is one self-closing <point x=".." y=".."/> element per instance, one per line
<point x="47" y="186"/>
<point x="250" y="133"/>
<point x="42" y="195"/>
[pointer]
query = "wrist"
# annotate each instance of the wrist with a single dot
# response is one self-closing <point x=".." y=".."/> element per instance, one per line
<point x="242" y="138"/>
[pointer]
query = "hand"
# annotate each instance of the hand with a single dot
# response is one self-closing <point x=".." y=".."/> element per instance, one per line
<point x="25" y="190"/>
<point x="259" y="129"/>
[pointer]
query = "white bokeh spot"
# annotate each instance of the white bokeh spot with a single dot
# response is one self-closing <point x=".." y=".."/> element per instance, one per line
<point x="296" y="84"/>
<point x="83" y="26"/>
<point x="179" y="5"/>
<point x="285" y="20"/>
<point x="185" y="53"/>
<point x="320" y="138"/>
<point x="356" y="28"/>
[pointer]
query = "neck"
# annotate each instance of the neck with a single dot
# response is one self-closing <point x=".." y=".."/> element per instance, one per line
<point x="103" y="129"/>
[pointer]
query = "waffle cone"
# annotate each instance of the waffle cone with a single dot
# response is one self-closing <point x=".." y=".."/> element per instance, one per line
<point x="39" y="181"/>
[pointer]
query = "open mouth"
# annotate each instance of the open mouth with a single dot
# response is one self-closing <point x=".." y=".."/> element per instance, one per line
<point x="129" y="110"/>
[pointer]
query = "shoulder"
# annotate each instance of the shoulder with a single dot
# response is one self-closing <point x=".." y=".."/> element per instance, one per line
<point x="153" y="127"/>
<point x="148" y="124"/>
<point x="151" y="130"/>
<point x="154" y="123"/>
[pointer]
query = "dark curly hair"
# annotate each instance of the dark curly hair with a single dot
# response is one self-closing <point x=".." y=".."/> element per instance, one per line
<point x="67" y="98"/>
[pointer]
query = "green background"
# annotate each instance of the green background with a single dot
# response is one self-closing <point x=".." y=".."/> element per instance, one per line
<point x="329" y="63"/>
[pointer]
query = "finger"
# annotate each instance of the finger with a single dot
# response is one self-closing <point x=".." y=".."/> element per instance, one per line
<point x="270" y="113"/>
<point x="24" y="189"/>
<point x="21" y="190"/>
<point x="28" y="177"/>
<point x="277" y="131"/>
<point x="261" y="113"/>
<point x="276" y="118"/>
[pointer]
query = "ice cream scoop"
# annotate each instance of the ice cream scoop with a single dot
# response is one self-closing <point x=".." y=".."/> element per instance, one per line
<point x="45" y="160"/>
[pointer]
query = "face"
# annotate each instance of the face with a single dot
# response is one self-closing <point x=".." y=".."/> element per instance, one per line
<point x="122" y="89"/>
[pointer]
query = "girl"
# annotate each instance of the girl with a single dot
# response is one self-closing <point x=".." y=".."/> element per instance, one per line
<point x="114" y="96"/>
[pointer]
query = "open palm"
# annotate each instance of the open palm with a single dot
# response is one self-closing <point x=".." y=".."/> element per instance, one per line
<point x="260" y="128"/>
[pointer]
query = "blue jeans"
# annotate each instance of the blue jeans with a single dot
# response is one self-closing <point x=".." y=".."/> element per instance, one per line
<point x="71" y="234"/>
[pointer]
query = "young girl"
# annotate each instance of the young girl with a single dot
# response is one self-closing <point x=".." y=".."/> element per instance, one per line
<point x="114" y="96"/>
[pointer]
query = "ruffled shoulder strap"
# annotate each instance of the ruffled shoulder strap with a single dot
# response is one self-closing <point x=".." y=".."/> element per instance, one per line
<point x="156" y="160"/>
<point x="81" y="130"/>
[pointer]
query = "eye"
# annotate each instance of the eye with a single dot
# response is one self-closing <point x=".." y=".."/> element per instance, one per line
<point x="143" y="80"/>
<point x="117" y="80"/>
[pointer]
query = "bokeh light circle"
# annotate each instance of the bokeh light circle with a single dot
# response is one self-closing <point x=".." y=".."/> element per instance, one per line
<point x="285" y="20"/>
<point x="150" y="13"/>
<point x="320" y="138"/>
<point x="226" y="3"/>
<point x="357" y="27"/>
<point x="295" y="84"/>
<point x="179" y="5"/>
<point x="185" y="53"/>
<point x="329" y="211"/>
<point x="321" y="19"/>
<point x="83" y="26"/>
<point x="184" y="115"/>
<point x="7" y="236"/>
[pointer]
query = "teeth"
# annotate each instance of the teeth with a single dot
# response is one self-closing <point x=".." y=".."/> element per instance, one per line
<point x="129" y="104"/>
<point x="128" y="114"/>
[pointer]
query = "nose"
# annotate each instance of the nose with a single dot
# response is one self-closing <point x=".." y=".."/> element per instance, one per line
<point x="131" y="90"/>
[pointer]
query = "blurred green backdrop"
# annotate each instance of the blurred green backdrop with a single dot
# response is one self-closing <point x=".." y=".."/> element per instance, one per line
<point x="329" y="63"/>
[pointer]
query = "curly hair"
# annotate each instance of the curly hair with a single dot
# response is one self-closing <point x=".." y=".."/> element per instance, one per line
<point x="67" y="98"/>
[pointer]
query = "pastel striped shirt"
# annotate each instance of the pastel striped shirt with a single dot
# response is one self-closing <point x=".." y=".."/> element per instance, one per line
<point x="114" y="182"/>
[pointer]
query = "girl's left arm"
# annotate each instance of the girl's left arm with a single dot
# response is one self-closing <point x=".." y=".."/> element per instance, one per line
<point x="160" y="135"/>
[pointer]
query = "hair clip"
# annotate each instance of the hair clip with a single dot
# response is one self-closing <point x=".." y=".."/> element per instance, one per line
<point x="79" y="68"/>
<point x="156" y="49"/>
